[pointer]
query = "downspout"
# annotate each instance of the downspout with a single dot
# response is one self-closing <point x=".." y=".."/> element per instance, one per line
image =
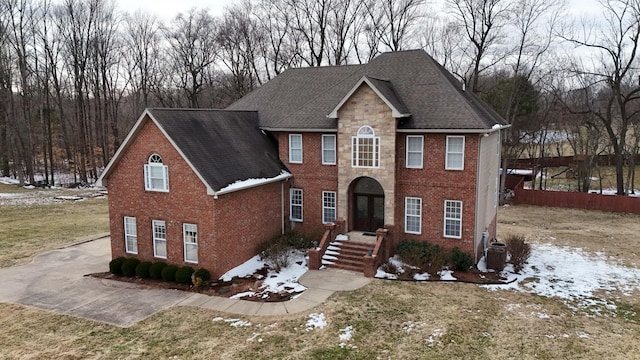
<point x="282" y="207"/>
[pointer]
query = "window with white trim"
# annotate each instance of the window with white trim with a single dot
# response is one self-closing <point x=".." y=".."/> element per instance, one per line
<point x="130" y="235"/>
<point x="295" y="204"/>
<point x="159" y="239"/>
<point x="328" y="149"/>
<point x="365" y="148"/>
<point x="412" y="215"/>
<point x="453" y="219"/>
<point x="190" y="239"/>
<point x="156" y="174"/>
<point x="455" y="153"/>
<point x="328" y="206"/>
<point x="295" y="148"/>
<point x="415" y="144"/>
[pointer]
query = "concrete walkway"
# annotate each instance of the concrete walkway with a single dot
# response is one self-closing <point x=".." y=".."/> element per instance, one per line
<point x="55" y="281"/>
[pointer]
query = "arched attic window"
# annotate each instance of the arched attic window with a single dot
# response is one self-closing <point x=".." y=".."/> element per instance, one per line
<point x="365" y="148"/>
<point x="156" y="174"/>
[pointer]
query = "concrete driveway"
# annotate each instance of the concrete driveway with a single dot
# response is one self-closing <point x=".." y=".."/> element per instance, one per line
<point x="56" y="281"/>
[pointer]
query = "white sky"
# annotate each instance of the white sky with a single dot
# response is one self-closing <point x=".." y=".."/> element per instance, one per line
<point x="167" y="9"/>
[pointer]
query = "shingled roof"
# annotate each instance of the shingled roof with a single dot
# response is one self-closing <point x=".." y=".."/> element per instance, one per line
<point x="223" y="147"/>
<point x="303" y="98"/>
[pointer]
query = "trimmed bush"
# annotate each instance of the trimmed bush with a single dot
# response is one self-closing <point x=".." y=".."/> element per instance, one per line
<point x="129" y="267"/>
<point x="201" y="277"/>
<point x="519" y="251"/>
<point x="155" y="271"/>
<point x="183" y="275"/>
<point x="169" y="273"/>
<point x="460" y="260"/>
<point x="115" y="265"/>
<point x="428" y="257"/>
<point x="142" y="270"/>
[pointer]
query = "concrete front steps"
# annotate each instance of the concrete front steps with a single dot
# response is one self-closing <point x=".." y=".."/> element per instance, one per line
<point x="346" y="254"/>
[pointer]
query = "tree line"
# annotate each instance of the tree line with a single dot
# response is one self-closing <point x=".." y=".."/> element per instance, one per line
<point x="76" y="74"/>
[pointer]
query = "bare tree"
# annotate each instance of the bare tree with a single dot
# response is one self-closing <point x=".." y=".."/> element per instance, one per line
<point x="613" y="74"/>
<point x="238" y="40"/>
<point x="142" y="37"/>
<point x="482" y="22"/>
<point x="193" y="51"/>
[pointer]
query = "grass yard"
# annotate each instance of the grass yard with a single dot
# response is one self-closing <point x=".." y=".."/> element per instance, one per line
<point x="39" y="224"/>
<point x="389" y="320"/>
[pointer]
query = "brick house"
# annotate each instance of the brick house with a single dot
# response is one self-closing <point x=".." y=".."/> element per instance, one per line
<point x="395" y="147"/>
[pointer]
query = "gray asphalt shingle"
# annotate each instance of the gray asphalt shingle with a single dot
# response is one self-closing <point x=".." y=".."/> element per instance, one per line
<point x="302" y="98"/>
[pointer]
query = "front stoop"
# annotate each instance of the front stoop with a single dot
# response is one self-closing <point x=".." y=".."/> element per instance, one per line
<point x="346" y="254"/>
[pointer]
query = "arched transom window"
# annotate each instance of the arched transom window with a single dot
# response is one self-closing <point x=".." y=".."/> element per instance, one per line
<point x="156" y="174"/>
<point x="365" y="148"/>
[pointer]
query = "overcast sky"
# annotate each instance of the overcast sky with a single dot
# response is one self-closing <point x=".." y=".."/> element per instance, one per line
<point x="167" y="9"/>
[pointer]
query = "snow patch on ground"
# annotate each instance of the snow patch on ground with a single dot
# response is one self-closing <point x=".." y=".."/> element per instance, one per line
<point x="576" y="277"/>
<point x="284" y="280"/>
<point x="316" y="321"/>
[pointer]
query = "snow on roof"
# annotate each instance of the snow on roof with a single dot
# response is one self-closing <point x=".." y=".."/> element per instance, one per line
<point x="248" y="183"/>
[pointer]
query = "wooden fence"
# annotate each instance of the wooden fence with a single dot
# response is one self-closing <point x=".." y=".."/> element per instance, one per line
<point x="577" y="200"/>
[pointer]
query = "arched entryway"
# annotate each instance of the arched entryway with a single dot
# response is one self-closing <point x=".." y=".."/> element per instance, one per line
<point x="368" y="204"/>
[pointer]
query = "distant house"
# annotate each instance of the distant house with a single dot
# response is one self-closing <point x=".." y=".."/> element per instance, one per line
<point x="395" y="144"/>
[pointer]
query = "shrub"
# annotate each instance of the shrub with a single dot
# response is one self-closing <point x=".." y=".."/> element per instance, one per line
<point x="183" y="275"/>
<point x="200" y="277"/>
<point x="169" y="273"/>
<point x="519" y="251"/>
<point x="129" y="267"/>
<point x="115" y="265"/>
<point x="143" y="269"/>
<point x="460" y="260"/>
<point x="276" y="252"/>
<point x="155" y="271"/>
<point x="428" y="257"/>
<point x="298" y="241"/>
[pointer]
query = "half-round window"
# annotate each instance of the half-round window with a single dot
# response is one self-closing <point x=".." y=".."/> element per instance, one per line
<point x="366" y="131"/>
<point x="155" y="159"/>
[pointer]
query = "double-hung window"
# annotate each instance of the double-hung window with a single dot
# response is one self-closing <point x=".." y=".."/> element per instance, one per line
<point x="328" y="206"/>
<point x="455" y="153"/>
<point x="328" y="149"/>
<point x="365" y="148"/>
<point x="415" y="144"/>
<point x="295" y="148"/>
<point x="412" y="215"/>
<point x="453" y="219"/>
<point x="156" y="174"/>
<point x="130" y="235"/>
<point x="295" y="204"/>
<point x="190" y="237"/>
<point x="159" y="239"/>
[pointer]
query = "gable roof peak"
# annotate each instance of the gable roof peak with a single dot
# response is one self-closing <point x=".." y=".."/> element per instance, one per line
<point x="385" y="92"/>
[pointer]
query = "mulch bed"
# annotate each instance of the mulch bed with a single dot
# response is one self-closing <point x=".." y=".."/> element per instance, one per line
<point x="216" y="288"/>
<point x="239" y="285"/>
<point x="472" y="276"/>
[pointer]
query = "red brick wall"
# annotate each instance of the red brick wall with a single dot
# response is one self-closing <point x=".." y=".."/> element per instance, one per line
<point x="229" y="227"/>
<point x="434" y="185"/>
<point x="243" y="220"/>
<point x="186" y="201"/>
<point x="310" y="176"/>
